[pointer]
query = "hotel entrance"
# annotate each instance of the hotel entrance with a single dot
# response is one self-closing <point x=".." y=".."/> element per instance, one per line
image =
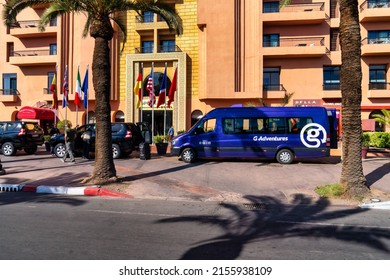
<point x="158" y="127"/>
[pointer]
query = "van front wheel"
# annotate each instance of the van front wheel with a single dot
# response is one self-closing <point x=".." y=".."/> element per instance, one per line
<point x="188" y="155"/>
<point x="285" y="156"/>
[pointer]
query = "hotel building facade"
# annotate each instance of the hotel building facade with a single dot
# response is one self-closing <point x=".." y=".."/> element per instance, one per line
<point x="232" y="52"/>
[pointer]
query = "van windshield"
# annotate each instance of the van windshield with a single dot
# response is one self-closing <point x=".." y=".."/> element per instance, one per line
<point x="205" y="126"/>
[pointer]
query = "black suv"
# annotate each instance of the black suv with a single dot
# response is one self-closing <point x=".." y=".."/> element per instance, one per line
<point x="126" y="137"/>
<point x="18" y="135"/>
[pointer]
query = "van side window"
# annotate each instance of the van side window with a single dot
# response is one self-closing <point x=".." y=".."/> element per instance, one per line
<point x="275" y="125"/>
<point x="205" y="126"/>
<point x="295" y="125"/>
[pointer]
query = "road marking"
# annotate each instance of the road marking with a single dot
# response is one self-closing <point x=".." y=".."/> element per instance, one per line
<point x="133" y="213"/>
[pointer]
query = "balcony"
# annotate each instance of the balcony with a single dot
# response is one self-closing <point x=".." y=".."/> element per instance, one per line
<point x="9" y="95"/>
<point x="375" y="11"/>
<point x="148" y="23"/>
<point x="311" y="13"/>
<point x="375" y="46"/>
<point x="276" y="91"/>
<point x="160" y="49"/>
<point x="295" y="47"/>
<point x="378" y="90"/>
<point x="29" y="29"/>
<point x="38" y="57"/>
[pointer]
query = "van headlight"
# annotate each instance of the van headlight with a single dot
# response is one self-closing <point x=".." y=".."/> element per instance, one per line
<point x="174" y="141"/>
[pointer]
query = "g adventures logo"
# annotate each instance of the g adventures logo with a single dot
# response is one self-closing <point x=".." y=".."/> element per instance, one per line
<point x="312" y="135"/>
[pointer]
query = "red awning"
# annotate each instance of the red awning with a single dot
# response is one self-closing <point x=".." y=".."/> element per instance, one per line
<point x="28" y="112"/>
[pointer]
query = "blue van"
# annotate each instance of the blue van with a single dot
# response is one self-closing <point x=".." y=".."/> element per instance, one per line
<point x="281" y="133"/>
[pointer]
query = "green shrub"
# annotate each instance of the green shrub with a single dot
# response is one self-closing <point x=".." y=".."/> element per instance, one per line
<point x="380" y="139"/>
<point x="61" y="125"/>
<point x="366" y="139"/>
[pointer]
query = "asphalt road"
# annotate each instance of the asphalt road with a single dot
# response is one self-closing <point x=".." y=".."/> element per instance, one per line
<point x="48" y="227"/>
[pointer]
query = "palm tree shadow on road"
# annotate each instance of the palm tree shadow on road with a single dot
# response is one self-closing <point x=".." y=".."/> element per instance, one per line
<point x="268" y="218"/>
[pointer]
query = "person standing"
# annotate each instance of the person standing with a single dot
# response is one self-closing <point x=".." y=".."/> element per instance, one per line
<point x="171" y="132"/>
<point x="70" y="136"/>
<point x="86" y="136"/>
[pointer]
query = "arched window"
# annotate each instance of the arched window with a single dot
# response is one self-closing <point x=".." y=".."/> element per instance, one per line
<point x="91" y="117"/>
<point x="157" y="82"/>
<point x="195" y="116"/>
<point x="378" y="126"/>
<point x="119" y="116"/>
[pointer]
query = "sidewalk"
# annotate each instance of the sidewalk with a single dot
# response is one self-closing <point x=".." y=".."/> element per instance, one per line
<point x="165" y="177"/>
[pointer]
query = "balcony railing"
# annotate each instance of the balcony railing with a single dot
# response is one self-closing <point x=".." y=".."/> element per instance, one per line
<point x="9" y="92"/>
<point x="335" y="86"/>
<point x="31" y="23"/>
<point x="160" y="49"/>
<point x="379" y="86"/>
<point x="310" y="7"/>
<point x="32" y="53"/>
<point x="165" y="49"/>
<point x="384" y="40"/>
<point x="275" y="87"/>
<point x="374" y="5"/>
<point x="144" y="19"/>
<point x="296" y="42"/>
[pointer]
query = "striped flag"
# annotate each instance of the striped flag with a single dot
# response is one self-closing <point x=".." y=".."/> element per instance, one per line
<point x="163" y="89"/>
<point x="53" y="89"/>
<point x="172" y="89"/>
<point x="138" y="88"/>
<point x="77" y="98"/>
<point x="65" y="88"/>
<point x="150" y="88"/>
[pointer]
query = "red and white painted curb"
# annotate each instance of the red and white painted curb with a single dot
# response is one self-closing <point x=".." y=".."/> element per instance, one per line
<point x="85" y="191"/>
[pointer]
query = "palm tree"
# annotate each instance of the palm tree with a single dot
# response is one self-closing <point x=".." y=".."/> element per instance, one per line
<point x="352" y="176"/>
<point x="100" y="16"/>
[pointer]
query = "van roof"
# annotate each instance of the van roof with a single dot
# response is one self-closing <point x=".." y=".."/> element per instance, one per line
<point x="248" y="111"/>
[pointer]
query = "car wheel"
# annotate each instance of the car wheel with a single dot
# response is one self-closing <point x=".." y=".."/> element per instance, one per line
<point x="116" y="151"/>
<point x="59" y="150"/>
<point x="285" y="156"/>
<point x="8" y="149"/>
<point x="31" y="150"/>
<point x="188" y="155"/>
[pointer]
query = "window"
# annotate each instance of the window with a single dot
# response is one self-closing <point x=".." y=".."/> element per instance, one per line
<point x="205" y="126"/>
<point x="378" y="77"/>
<point x="9" y="84"/>
<point x="271" y="78"/>
<point x="377" y="4"/>
<point x="271" y="7"/>
<point x="168" y="45"/>
<point x="53" y="49"/>
<point x="147" y="46"/>
<point x="148" y="17"/>
<point x="53" y="22"/>
<point x="379" y="37"/>
<point x="331" y="78"/>
<point x="271" y="40"/>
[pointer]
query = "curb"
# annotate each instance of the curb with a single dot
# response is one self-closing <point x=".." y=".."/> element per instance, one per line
<point x="82" y="191"/>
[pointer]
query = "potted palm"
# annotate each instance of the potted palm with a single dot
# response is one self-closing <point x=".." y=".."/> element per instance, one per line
<point x="365" y="144"/>
<point x="161" y="142"/>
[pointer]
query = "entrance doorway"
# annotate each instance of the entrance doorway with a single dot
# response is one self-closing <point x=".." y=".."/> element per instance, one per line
<point x="158" y="120"/>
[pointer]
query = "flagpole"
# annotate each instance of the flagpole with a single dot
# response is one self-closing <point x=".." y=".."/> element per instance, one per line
<point x="55" y="99"/>
<point x="87" y="96"/>
<point x="165" y="102"/>
<point x="152" y="73"/>
<point x="142" y="91"/>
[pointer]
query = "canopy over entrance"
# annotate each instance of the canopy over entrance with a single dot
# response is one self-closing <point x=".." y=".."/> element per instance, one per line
<point x="28" y="112"/>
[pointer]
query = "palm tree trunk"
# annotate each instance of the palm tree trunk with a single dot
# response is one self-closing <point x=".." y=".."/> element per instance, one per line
<point x="352" y="176"/>
<point x="104" y="168"/>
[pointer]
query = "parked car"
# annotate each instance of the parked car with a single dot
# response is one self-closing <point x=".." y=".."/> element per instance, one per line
<point x="20" y="135"/>
<point x="126" y="137"/>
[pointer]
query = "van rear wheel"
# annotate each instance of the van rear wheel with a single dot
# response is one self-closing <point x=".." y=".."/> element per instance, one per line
<point x="285" y="156"/>
<point x="188" y="155"/>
